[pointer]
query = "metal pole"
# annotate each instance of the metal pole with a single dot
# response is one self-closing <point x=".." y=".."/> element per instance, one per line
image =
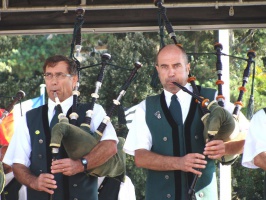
<point x="225" y="170"/>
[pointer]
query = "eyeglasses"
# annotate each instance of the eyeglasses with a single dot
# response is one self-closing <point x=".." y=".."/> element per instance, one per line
<point x="58" y="76"/>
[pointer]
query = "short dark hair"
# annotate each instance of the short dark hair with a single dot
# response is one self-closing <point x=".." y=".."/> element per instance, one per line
<point x="53" y="60"/>
<point x="179" y="47"/>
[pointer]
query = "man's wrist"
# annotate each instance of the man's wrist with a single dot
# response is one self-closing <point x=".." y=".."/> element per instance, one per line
<point x="84" y="162"/>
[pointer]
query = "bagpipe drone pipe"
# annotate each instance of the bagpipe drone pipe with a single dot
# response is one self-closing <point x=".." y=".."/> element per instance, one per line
<point x="219" y="124"/>
<point x="206" y="113"/>
<point x="79" y="141"/>
<point x="20" y="94"/>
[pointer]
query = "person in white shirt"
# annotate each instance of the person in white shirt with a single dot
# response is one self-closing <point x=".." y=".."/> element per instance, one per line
<point x="173" y="150"/>
<point x="254" y="154"/>
<point x="112" y="189"/>
<point x="29" y="153"/>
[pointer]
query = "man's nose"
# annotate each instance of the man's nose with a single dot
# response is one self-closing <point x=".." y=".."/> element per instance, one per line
<point x="54" y="80"/>
<point x="171" y="72"/>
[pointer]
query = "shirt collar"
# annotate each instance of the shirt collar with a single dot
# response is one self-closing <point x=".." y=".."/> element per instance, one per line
<point x="182" y="96"/>
<point x="66" y="104"/>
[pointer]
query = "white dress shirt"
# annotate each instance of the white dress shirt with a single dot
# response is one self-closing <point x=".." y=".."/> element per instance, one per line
<point x="255" y="142"/>
<point x="139" y="136"/>
<point x="19" y="148"/>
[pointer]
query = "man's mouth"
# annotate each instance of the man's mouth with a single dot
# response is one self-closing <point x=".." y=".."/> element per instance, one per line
<point x="170" y="82"/>
<point x="54" y="92"/>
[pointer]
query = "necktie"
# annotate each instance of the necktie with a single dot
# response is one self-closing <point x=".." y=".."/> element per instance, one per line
<point x="175" y="110"/>
<point x="55" y="118"/>
<point x="176" y="113"/>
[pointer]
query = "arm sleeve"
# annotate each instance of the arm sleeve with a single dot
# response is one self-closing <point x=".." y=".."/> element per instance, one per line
<point x="139" y="136"/>
<point x="19" y="148"/>
<point x="255" y="142"/>
<point x="97" y="117"/>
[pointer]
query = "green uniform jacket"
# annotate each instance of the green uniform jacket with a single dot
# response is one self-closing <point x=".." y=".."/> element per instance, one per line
<point x="167" y="140"/>
<point x="79" y="186"/>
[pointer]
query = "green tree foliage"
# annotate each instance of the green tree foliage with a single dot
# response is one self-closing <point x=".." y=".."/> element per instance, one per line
<point x="247" y="183"/>
<point x="12" y="85"/>
<point x="27" y="54"/>
<point x="242" y="42"/>
<point x="22" y="57"/>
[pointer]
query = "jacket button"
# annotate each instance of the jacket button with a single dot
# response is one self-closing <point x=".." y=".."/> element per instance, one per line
<point x="40" y="141"/>
<point x="75" y="199"/>
<point x="196" y="137"/>
<point x="165" y="139"/>
<point x="201" y="194"/>
<point x="75" y="185"/>
<point x="166" y="177"/>
<point x="40" y="156"/>
<point x="168" y="196"/>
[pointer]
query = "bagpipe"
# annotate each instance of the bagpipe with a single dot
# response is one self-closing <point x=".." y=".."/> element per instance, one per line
<point x="79" y="141"/>
<point x="20" y="94"/>
<point x="219" y="124"/>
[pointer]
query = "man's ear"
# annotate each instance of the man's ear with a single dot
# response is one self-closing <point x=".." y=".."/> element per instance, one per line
<point x="157" y="67"/>
<point x="188" y="67"/>
<point x="75" y="80"/>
